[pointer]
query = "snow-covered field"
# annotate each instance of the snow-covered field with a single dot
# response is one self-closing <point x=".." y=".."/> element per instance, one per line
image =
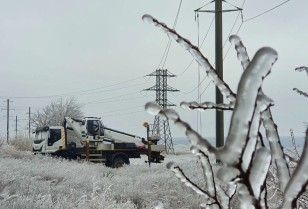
<point x="29" y="182"/>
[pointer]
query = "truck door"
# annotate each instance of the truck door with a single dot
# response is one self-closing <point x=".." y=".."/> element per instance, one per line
<point x="54" y="139"/>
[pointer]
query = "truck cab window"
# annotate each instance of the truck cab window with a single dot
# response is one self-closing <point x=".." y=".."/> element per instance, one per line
<point x="55" y="135"/>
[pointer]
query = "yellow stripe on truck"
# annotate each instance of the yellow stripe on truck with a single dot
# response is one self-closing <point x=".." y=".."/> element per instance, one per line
<point x="63" y="138"/>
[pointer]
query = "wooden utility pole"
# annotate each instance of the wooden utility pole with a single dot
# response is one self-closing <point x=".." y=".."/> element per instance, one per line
<point x="16" y="127"/>
<point x="219" y="70"/>
<point x="7" y="120"/>
<point x="29" y="122"/>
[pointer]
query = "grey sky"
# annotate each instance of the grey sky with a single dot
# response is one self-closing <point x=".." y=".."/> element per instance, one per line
<point x="59" y="47"/>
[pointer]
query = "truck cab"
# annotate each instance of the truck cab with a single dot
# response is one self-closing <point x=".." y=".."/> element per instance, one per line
<point x="48" y="139"/>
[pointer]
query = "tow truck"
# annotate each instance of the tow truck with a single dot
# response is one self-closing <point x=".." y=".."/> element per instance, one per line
<point x="89" y="139"/>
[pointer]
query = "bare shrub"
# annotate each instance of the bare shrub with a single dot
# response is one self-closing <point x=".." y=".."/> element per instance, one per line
<point x="22" y="143"/>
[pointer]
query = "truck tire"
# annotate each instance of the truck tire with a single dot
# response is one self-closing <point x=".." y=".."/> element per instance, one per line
<point x="119" y="161"/>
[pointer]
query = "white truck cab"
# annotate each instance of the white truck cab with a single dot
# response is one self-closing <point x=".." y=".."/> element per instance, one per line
<point x="49" y="139"/>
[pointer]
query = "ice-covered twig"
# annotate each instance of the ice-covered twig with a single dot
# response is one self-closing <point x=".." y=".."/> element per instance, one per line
<point x="206" y="105"/>
<point x="198" y="56"/>
<point x="183" y="178"/>
<point x="242" y="54"/>
<point x="259" y="170"/>
<point x="207" y="170"/>
<point x="263" y="103"/>
<point x="300" y="92"/>
<point x="302" y="68"/>
<point x="294" y="144"/>
<point x="276" y="149"/>
<point x="196" y="140"/>
<point x="298" y="181"/>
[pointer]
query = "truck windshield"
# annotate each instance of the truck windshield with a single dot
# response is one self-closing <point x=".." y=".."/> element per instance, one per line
<point x="41" y="135"/>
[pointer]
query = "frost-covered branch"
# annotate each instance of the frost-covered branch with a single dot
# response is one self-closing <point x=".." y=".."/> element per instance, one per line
<point x="300" y="92"/>
<point x="302" y="68"/>
<point x="195" y="52"/>
<point x="267" y="120"/>
<point x="206" y="106"/>
<point x="246" y="161"/>
<point x="299" y="180"/>
<point x="183" y="178"/>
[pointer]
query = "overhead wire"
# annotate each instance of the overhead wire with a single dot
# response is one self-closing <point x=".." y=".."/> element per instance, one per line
<point x="77" y="93"/>
<point x="166" y="52"/>
<point x="240" y="13"/>
<point x="207" y="32"/>
<point x="195" y="87"/>
<point x="128" y="113"/>
<point x="267" y="11"/>
<point x="122" y="95"/>
<point x="119" y="100"/>
<point x="119" y="110"/>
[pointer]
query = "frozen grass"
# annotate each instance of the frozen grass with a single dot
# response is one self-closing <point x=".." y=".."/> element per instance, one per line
<point x="29" y="181"/>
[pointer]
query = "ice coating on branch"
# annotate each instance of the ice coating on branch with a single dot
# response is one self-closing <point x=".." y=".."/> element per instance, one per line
<point x="227" y="174"/>
<point x="276" y="149"/>
<point x="259" y="170"/>
<point x="263" y="102"/>
<point x="201" y="143"/>
<point x="231" y="188"/>
<point x="246" y="200"/>
<point x="194" y="51"/>
<point x="300" y="92"/>
<point x="272" y="134"/>
<point x="147" y="19"/>
<point x="206" y="105"/>
<point x="299" y="179"/>
<point x="241" y="50"/>
<point x="179" y="173"/>
<point x="152" y="108"/>
<point x="302" y="68"/>
<point x="207" y="170"/>
<point x="171" y="114"/>
<point x="248" y="89"/>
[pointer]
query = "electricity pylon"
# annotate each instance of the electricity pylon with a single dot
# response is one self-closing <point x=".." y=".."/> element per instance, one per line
<point x="161" y="127"/>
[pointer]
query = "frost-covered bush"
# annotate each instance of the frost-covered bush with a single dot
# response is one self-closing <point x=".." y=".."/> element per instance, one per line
<point x="44" y="182"/>
<point x="251" y="175"/>
<point x="22" y="143"/>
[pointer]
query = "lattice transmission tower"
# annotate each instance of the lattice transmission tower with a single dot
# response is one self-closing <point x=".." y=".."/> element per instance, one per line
<point x="161" y="127"/>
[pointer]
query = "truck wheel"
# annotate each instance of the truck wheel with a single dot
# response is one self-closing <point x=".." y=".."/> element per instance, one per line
<point x="119" y="162"/>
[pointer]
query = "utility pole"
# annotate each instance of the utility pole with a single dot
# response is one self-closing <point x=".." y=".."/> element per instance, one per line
<point x="219" y="70"/>
<point x="29" y="122"/>
<point x="219" y="64"/>
<point x="16" y="127"/>
<point x="7" y="120"/>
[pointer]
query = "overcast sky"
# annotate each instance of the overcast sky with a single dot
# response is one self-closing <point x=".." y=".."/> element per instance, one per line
<point x="58" y="47"/>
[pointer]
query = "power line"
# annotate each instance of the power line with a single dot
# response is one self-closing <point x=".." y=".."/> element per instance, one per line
<point x="118" y="110"/>
<point x="263" y="13"/>
<point x="128" y="113"/>
<point x="207" y="32"/>
<point x="78" y="92"/>
<point x="166" y="52"/>
<point x="240" y="13"/>
<point x="104" y="99"/>
<point x="119" y="100"/>
<point x="195" y="87"/>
